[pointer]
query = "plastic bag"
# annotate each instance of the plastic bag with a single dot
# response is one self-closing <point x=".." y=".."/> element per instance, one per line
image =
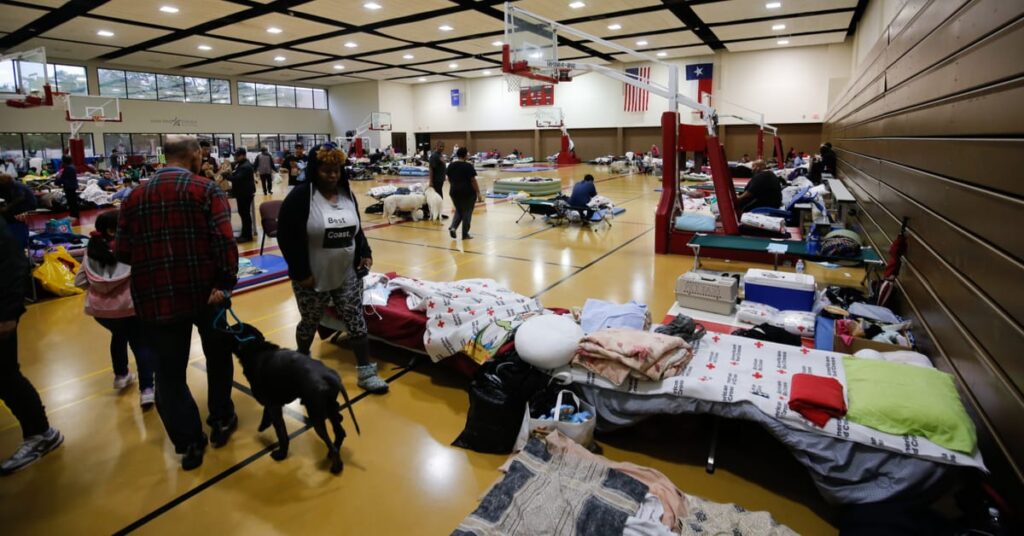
<point x="60" y="226"/>
<point x="57" y="272"/>
<point x="376" y="290"/>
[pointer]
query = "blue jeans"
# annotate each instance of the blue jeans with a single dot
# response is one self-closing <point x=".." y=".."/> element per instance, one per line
<point x="126" y="332"/>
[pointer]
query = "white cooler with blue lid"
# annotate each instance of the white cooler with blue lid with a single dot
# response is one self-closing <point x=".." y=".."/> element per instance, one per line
<point x="783" y="290"/>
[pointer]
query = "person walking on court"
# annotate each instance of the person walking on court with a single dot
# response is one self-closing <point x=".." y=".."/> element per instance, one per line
<point x="295" y="165"/>
<point x="322" y="240"/>
<point x="265" y="167"/>
<point x="437" y="170"/>
<point x="243" y="189"/>
<point x="108" y="299"/>
<point x="69" y="182"/>
<point x="175" y="232"/>
<point x="16" y="392"/>
<point x="465" y="193"/>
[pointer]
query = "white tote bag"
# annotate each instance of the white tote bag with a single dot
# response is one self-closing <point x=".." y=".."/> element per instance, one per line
<point x="582" y="433"/>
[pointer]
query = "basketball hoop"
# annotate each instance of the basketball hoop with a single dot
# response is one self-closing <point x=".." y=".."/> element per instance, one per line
<point x="513" y="83"/>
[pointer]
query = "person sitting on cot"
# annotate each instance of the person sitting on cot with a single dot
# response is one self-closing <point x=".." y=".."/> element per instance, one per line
<point x="763" y="190"/>
<point x="582" y="193"/>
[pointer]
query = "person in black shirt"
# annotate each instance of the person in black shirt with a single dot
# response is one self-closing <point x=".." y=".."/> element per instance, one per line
<point x="828" y="159"/>
<point x="295" y="164"/>
<point x="69" y="181"/>
<point x="437" y="170"/>
<point x="207" y="157"/>
<point x="465" y="192"/>
<point x="763" y="190"/>
<point x="243" y="188"/>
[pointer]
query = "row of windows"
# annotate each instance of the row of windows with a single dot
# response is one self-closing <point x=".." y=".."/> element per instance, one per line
<point x="163" y="87"/>
<point x="278" y="143"/>
<point x="256" y="94"/>
<point x="63" y="78"/>
<point x="49" y="145"/>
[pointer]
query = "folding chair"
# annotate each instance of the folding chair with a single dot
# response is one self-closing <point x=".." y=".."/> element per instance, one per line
<point x="268" y="220"/>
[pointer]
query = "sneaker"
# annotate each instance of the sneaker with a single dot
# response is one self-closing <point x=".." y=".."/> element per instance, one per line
<point x="369" y="380"/>
<point x="467" y="236"/>
<point x="122" y="382"/>
<point x="220" y="432"/>
<point x="193" y="456"/>
<point x="451" y="232"/>
<point x="147" y="397"/>
<point x="31" y="450"/>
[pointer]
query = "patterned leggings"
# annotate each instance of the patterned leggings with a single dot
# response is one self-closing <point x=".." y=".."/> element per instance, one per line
<point x="348" y="301"/>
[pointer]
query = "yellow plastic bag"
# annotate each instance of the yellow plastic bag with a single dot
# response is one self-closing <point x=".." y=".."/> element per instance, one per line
<point x="57" y="273"/>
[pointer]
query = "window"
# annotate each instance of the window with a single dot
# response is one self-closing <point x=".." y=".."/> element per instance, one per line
<point x="285" y="96"/>
<point x="251" y="142"/>
<point x="307" y="140"/>
<point x="271" y="141"/>
<point x="68" y="78"/>
<point x="266" y="95"/>
<point x="33" y="76"/>
<point x="288" y="142"/>
<point x="46" y="146"/>
<point x="10" y="146"/>
<point x="225" y="143"/>
<point x="247" y="93"/>
<point x="221" y="91"/>
<point x="7" y="82"/>
<point x="253" y="93"/>
<point x="170" y="88"/>
<point x="304" y="97"/>
<point x="112" y="83"/>
<point x="121" y="142"/>
<point x="197" y="89"/>
<point x="146" y="144"/>
<point x="141" y="85"/>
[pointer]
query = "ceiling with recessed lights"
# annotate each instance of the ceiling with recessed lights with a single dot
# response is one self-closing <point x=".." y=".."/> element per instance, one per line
<point x="328" y="42"/>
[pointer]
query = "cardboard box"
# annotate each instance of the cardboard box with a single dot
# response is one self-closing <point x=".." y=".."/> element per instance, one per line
<point x="863" y="344"/>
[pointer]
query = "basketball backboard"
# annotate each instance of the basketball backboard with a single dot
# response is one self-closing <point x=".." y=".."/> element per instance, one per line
<point x="530" y="48"/>
<point x="25" y="79"/>
<point x="380" y="121"/>
<point x="550" y="117"/>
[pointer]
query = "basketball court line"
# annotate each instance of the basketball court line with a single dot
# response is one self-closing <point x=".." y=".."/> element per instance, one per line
<point x="593" y="262"/>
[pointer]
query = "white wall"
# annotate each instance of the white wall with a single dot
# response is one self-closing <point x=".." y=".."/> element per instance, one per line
<point x="791" y="85"/>
<point x="873" y="22"/>
<point x="397" y="99"/>
<point x="350" y="104"/>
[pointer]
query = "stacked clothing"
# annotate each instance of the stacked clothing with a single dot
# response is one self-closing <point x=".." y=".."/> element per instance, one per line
<point x="556" y="486"/>
<point x="619" y="353"/>
<point x="817" y="398"/>
<point x="600" y="314"/>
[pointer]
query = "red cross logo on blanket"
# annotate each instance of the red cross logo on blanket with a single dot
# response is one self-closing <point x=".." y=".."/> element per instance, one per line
<point x="468" y="290"/>
<point x="430" y="305"/>
<point x="804" y="351"/>
<point x="490" y="312"/>
<point x="704" y="378"/>
<point x="781" y="371"/>
<point x="711" y="366"/>
<point x="485" y="286"/>
<point x="800" y="329"/>
<point x="472" y="312"/>
<point x="450" y="310"/>
<point x="734" y="363"/>
<point x="716" y="338"/>
<point x="759" y="345"/>
<point x="440" y="323"/>
<point x="758" y="375"/>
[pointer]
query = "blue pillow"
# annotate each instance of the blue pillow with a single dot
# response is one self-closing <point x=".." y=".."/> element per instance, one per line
<point x="695" y="222"/>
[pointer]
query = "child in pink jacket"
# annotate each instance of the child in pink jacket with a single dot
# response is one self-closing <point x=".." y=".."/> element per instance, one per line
<point x="108" y="299"/>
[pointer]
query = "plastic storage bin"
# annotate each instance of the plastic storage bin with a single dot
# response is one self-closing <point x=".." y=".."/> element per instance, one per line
<point x="782" y="290"/>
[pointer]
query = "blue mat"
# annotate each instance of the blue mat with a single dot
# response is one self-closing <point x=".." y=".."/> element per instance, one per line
<point x="493" y="195"/>
<point x="274" y="269"/>
<point x="528" y="168"/>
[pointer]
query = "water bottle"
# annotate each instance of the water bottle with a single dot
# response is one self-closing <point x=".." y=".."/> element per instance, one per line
<point x="800" y="266"/>
<point x="813" y="244"/>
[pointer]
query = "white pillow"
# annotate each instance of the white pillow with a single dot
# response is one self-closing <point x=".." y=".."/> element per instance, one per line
<point x="907" y="357"/>
<point x="548" y="341"/>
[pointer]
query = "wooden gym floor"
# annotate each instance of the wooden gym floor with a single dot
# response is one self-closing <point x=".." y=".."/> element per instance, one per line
<point x="116" y="469"/>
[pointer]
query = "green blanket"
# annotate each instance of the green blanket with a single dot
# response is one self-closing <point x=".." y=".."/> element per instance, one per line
<point x="907" y="400"/>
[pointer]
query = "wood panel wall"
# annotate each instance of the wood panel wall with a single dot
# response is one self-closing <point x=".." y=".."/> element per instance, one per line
<point x="932" y="129"/>
<point x="740" y="139"/>
<point x="640" y="139"/>
<point x="503" y="140"/>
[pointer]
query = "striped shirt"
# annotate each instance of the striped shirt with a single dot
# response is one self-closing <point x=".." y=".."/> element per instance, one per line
<point x="176" y="234"/>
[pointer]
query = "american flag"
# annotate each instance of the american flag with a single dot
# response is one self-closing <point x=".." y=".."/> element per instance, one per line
<point x="636" y="98"/>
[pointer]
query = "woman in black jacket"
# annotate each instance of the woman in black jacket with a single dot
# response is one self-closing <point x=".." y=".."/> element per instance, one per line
<point x="320" y="235"/>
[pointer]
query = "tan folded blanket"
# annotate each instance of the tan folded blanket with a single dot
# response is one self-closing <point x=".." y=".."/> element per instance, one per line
<point x="618" y="353"/>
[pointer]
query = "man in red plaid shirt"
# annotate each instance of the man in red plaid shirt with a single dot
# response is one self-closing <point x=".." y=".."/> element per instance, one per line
<point x="176" y="234"/>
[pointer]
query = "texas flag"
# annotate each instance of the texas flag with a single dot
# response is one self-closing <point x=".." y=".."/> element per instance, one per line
<point x="701" y="72"/>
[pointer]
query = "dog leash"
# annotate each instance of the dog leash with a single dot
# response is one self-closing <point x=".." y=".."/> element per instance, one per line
<point x="237" y="330"/>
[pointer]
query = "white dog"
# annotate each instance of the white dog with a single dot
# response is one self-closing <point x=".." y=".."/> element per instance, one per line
<point x="402" y="203"/>
<point x="620" y="166"/>
<point x="434" y="202"/>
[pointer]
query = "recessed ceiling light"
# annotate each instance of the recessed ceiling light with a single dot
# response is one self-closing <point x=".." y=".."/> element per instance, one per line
<point x="372" y="5"/>
<point x="783" y="41"/>
<point x="778" y="26"/>
<point x="279" y="58"/>
<point x="350" y="44"/>
<point x="445" y="28"/>
<point x="485" y="73"/>
<point x="204" y="47"/>
<point x="577" y="5"/>
<point x="105" y="33"/>
<point x="421" y="79"/>
<point x="641" y="43"/>
<point x="773" y="5"/>
<point x="535" y="55"/>
<point x="169" y="9"/>
<point x="453" y="65"/>
<point x="497" y="43"/>
<point x="661" y="54"/>
<point x="614" y="26"/>
<point x="339" y="67"/>
<point x="274" y="30"/>
<point x="408" y="57"/>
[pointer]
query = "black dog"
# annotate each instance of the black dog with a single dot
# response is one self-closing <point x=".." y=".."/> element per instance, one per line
<point x="278" y="376"/>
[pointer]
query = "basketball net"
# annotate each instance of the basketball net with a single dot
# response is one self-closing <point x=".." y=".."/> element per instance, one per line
<point x="513" y="83"/>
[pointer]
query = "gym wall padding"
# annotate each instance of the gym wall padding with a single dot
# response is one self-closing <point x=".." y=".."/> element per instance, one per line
<point x="920" y="132"/>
